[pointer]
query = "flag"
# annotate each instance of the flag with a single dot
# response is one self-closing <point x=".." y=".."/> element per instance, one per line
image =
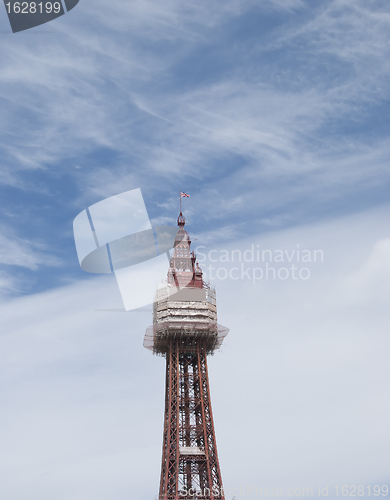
<point x="184" y="195"/>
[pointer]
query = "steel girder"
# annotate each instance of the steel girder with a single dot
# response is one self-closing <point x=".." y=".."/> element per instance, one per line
<point x="190" y="467"/>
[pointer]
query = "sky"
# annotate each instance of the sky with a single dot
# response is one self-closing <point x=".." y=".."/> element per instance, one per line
<point x="274" y="117"/>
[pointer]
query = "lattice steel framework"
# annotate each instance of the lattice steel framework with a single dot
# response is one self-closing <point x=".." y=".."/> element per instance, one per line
<point x="190" y="461"/>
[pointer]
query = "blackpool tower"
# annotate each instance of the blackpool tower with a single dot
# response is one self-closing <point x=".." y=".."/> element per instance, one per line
<point x="185" y="331"/>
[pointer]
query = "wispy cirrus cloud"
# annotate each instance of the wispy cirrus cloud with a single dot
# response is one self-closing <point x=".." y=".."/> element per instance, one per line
<point x="266" y="112"/>
<point x="9" y="285"/>
<point x="17" y="251"/>
<point x="256" y="118"/>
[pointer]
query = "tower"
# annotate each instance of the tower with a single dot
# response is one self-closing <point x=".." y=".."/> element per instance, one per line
<point x="185" y="331"/>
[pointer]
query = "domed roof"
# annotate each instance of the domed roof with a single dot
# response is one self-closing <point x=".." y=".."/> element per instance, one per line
<point x="198" y="270"/>
<point x="182" y="234"/>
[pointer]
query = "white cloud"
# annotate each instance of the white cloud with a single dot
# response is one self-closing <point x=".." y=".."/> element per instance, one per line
<point x="16" y="251"/>
<point x="299" y="392"/>
<point x="59" y="440"/>
<point x="305" y="363"/>
<point x="372" y="281"/>
<point x="9" y="285"/>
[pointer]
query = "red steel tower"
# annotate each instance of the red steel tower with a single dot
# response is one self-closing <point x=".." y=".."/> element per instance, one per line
<point x="185" y="331"/>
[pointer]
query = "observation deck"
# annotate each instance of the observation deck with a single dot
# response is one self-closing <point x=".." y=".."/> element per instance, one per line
<point x="187" y="314"/>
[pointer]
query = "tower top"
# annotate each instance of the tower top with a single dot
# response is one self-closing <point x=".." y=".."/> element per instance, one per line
<point x="185" y="306"/>
<point x="181" y="220"/>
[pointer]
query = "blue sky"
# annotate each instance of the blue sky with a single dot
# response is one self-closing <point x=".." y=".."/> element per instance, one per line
<point x="273" y="115"/>
<point x="268" y="113"/>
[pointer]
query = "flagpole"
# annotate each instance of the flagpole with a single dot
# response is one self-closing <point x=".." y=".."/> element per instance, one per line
<point x="180" y="201"/>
